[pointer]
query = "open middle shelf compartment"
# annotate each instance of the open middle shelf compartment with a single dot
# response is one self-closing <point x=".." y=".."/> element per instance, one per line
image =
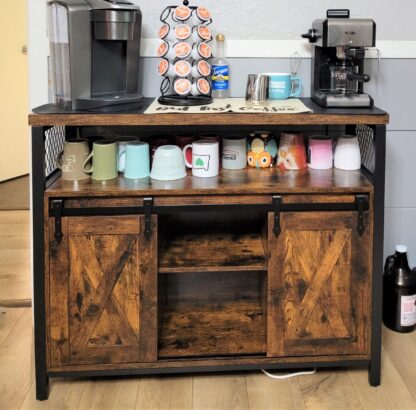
<point x="212" y="242"/>
<point x="212" y="284"/>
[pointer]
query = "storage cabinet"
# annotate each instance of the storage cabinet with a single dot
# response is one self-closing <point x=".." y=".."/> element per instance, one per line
<point x="102" y="291"/>
<point x="252" y="269"/>
<point x="319" y="285"/>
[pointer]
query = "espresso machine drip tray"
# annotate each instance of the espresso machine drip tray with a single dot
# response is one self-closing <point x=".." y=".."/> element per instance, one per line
<point x="343" y="100"/>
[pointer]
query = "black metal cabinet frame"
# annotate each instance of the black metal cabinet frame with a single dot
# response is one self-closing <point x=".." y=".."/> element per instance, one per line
<point x="373" y="139"/>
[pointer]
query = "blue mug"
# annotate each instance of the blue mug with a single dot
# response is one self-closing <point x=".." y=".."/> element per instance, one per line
<point x="282" y="85"/>
<point x="137" y="157"/>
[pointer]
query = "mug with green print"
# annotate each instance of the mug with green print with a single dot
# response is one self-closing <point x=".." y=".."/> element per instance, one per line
<point x="205" y="158"/>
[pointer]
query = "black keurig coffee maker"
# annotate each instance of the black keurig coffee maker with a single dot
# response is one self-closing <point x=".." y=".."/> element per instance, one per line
<point x="95" y="50"/>
<point x="338" y="52"/>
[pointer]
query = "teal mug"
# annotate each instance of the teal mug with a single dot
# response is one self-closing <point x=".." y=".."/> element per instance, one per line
<point x="137" y="160"/>
<point x="282" y="86"/>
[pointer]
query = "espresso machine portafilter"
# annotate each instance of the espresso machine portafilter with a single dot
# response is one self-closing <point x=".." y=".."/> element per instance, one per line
<point x="338" y="55"/>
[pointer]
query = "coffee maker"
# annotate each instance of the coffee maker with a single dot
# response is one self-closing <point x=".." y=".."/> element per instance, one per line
<point x="95" y="50"/>
<point x="338" y="55"/>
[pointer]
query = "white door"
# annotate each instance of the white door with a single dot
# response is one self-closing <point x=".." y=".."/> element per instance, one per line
<point x="14" y="131"/>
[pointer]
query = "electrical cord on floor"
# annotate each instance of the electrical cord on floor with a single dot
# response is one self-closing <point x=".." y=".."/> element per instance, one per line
<point x="288" y="376"/>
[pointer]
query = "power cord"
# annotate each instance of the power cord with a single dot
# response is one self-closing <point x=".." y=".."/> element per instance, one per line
<point x="288" y="376"/>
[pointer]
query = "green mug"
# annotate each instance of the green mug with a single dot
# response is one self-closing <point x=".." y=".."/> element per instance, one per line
<point x="104" y="161"/>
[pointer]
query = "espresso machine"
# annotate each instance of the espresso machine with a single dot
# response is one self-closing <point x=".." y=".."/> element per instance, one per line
<point x="95" y="50"/>
<point x="338" y="55"/>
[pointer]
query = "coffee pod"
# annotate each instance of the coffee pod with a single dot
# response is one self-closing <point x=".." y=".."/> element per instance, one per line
<point x="201" y="33"/>
<point x="182" y="68"/>
<point x="166" y="69"/>
<point x="201" y="15"/>
<point x="201" y="51"/>
<point x="182" y="32"/>
<point x="201" y="69"/>
<point x="182" y="86"/>
<point x="201" y="87"/>
<point x="182" y="50"/>
<point x="181" y="13"/>
<point x="165" y="33"/>
<point x="165" y="50"/>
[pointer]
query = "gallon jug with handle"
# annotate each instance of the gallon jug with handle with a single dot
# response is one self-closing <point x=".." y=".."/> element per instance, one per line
<point x="399" y="294"/>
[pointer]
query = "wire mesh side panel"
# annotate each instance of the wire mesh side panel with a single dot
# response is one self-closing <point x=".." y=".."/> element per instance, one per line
<point x="54" y="144"/>
<point x="365" y="136"/>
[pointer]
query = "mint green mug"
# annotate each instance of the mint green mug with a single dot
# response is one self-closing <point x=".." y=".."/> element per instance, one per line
<point x="137" y="159"/>
<point x="104" y="161"/>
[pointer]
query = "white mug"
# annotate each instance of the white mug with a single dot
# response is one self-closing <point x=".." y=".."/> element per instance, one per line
<point x="347" y="153"/>
<point x="234" y="153"/>
<point x="205" y="159"/>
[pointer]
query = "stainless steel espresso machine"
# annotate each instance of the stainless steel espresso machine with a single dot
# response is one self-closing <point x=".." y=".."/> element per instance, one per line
<point x="338" y="54"/>
<point x="95" y="50"/>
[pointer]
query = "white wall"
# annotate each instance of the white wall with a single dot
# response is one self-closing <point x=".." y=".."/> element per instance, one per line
<point x="286" y="19"/>
<point x="248" y="25"/>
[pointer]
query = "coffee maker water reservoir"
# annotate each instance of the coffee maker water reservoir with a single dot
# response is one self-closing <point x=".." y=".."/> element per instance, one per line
<point x="95" y="51"/>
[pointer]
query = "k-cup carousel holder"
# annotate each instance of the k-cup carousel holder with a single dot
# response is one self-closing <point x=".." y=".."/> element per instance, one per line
<point x="179" y="87"/>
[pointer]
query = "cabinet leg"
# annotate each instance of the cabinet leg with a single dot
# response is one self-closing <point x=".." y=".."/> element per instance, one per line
<point x="42" y="388"/>
<point x="374" y="374"/>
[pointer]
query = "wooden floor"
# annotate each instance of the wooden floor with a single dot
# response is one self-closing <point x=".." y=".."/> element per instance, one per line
<point x="15" y="281"/>
<point x="334" y="389"/>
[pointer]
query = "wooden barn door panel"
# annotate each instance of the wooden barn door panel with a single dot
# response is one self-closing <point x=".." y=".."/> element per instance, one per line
<point x="319" y="285"/>
<point x="111" y="288"/>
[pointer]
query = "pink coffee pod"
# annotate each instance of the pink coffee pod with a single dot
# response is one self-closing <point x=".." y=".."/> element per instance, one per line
<point x="165" y="51"/>
<point x="201" y="69"/>
<point x="182" y="86"/>
<point x="183" y="32"/>
<point x="201" y="51"/>
<point x="182" y="50"/>
<point x="165" y="33"/>
<point x="203" y="14"/>
<point x="182" y="68"/>
<point x="201" y="87"/>
<point x="166" y="69"/>
<point x="201" y="33"/>
<point x="181" y="13"/>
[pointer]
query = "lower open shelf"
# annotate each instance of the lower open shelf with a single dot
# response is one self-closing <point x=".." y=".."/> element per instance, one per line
<point x="212" y="314"/>
<point x="212" y="330"/>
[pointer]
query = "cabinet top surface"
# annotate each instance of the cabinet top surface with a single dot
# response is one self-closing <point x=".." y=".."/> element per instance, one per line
<point x="49" y="115"/>
<point x="244" y="182"/>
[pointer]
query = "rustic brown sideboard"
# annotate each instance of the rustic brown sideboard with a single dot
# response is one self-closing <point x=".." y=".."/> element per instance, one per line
<point x="253" y="269"/>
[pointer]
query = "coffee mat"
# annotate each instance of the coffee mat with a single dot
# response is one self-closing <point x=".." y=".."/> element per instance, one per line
<point x="237" y="105"/>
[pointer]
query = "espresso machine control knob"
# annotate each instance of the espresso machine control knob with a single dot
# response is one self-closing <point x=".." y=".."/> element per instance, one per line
<point x="311" y="35"/>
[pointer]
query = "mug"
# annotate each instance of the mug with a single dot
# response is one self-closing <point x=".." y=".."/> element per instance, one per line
<point x="137" y="160"/>
<point x="157" y="142"/>
<point x="122" y="143"/>
<point x="234" y="153"/>
<point x="184" y="142"/>
<point x="347" y="153"/>
<point x="104" y="166"/>
<point x="281" y="86"/>
<point x="320" y="154"/>
<point x="292" y="152"/>
<point x="72" y="158"/>
<point x="205" y="159"/>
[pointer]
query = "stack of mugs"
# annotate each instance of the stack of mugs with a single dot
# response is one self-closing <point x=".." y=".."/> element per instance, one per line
<point x="185" y="50"/>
